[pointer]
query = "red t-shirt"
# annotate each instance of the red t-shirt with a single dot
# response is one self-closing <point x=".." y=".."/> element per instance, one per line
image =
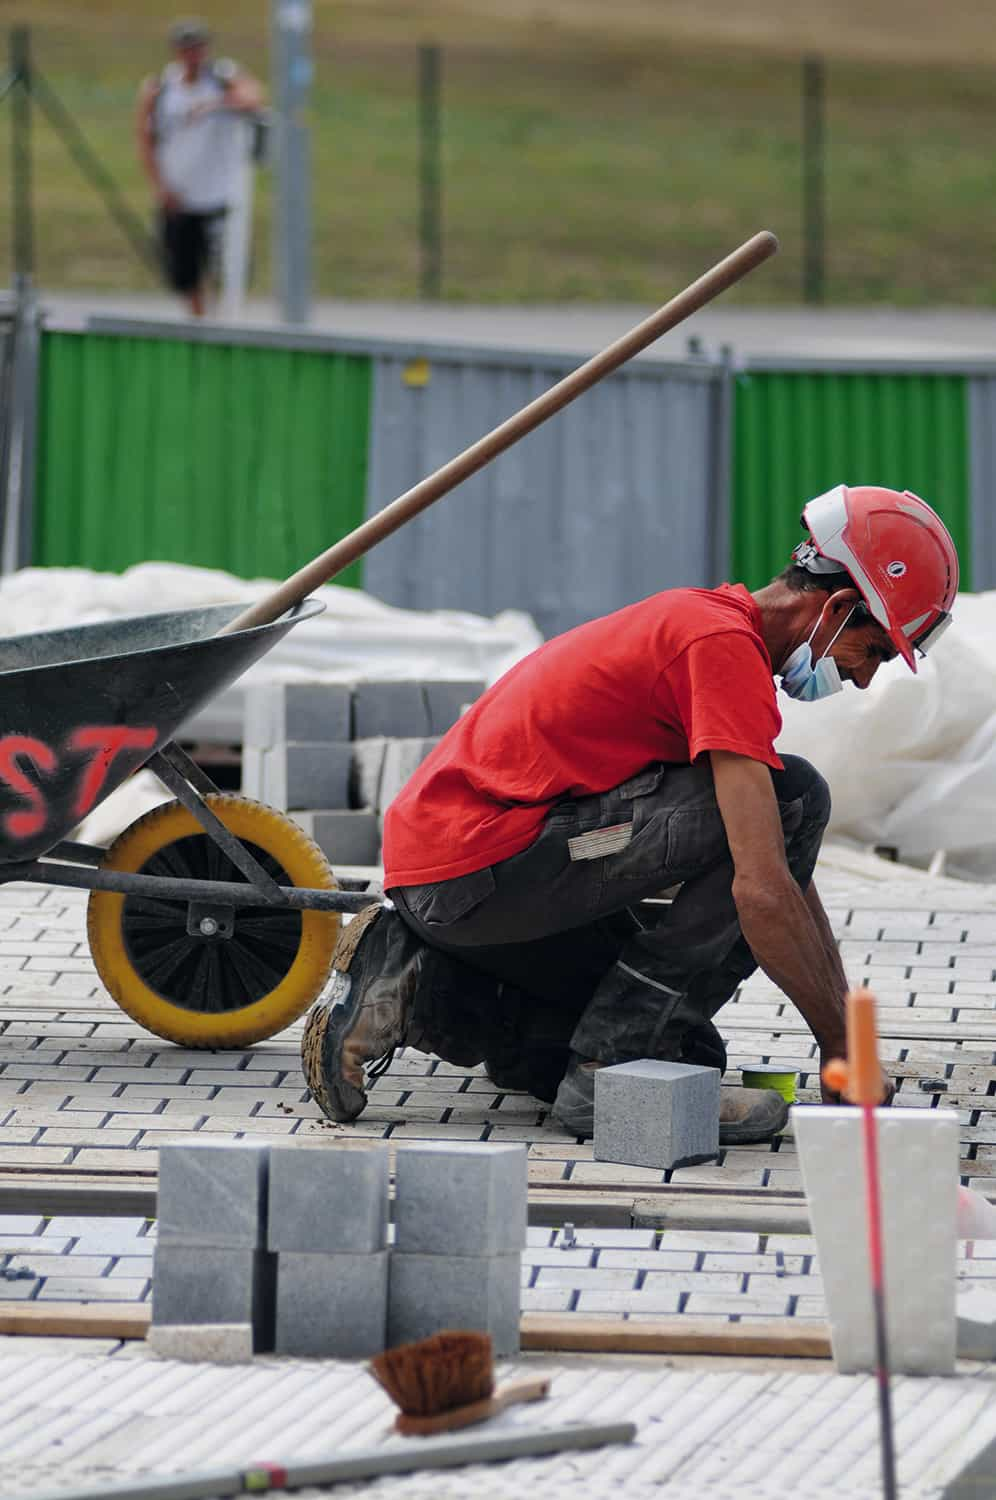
<point x="678" y="674"/>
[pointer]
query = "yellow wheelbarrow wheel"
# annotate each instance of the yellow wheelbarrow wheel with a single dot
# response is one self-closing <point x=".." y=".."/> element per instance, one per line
<point x="212" y="991"/>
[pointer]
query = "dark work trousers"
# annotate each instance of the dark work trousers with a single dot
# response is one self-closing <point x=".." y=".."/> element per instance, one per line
<point x="580" y="965"/>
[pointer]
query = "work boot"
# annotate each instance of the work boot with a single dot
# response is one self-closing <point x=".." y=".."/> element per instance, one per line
<point x="365" y="1012"/>
<point x="746" y="1116"/>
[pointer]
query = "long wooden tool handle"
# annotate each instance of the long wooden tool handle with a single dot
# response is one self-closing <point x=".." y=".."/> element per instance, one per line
<point x="723" y="275"/>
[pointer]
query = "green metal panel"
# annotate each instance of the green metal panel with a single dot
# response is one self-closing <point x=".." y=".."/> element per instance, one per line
<point x="251" y="459"/>
<point x="797" y="433"/>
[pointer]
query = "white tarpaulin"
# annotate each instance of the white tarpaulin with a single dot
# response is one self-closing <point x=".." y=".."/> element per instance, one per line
<point x="356" y="637"/>
<point x="911" y="761"/>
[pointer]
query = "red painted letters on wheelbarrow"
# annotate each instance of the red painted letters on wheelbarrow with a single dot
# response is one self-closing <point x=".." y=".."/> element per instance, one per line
<point x="99" y="743"/>
<point x="13" y="747"/>
<point x="105" y="742"/>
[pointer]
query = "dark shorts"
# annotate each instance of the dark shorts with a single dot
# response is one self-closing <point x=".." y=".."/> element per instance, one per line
<point x="189" y="247"/>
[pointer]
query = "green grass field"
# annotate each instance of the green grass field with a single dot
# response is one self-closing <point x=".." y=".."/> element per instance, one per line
<point x="590" y="152"/>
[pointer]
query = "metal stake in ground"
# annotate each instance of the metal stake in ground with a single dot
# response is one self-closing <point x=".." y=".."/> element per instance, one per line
<point x="860" y="1078"/>
<point x="322" y="569"/>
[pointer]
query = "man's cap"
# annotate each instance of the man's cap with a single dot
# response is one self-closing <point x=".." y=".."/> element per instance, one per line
<point x="189" y="33"/>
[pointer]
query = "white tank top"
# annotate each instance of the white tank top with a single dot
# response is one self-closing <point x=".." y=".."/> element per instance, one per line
<point x="198" y="157"/>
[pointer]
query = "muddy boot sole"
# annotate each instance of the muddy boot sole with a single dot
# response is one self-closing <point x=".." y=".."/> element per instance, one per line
<point x="331" y="1022"/>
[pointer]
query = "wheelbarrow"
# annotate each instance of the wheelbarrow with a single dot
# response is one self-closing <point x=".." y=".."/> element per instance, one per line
<point x="212" y="919"/>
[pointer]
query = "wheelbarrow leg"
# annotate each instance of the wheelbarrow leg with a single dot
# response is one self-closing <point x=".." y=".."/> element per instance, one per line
<point x="173" y="773"/>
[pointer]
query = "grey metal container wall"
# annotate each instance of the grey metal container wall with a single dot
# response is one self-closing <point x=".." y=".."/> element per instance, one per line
<point x="621" y="494"/>
<point x="982" y="478"/>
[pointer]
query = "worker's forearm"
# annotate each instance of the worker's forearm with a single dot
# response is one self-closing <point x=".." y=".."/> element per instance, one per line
<point x="787" y="941"/>
<point x="822" y="921"/>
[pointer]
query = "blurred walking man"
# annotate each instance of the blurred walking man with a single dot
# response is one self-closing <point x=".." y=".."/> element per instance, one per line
<point x="189" y="144"/>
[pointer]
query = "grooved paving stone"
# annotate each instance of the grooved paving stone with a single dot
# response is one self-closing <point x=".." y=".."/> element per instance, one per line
<point x="91" y="1289"/>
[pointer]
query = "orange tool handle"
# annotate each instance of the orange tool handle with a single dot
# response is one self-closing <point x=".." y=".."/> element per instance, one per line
<point x="859" y="1079"/>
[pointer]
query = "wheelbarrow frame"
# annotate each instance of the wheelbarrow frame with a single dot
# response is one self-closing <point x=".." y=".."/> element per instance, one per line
<point x="77" y="865"/>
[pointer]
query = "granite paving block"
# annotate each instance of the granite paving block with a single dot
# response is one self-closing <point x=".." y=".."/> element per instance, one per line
<point x="213" y="1194"/>
<point x="397" y="710"/>
<point x="656" y="1114"/>
<point x="194" y="1284"/>
<point x="459" y="1200"/>
<point x="446" y="701"/>
<point x="278" y="712"/>
<point x="332" y="1306"/>
<point x="431" y="1292"/>
<point x="346" y="836"/>
<point x="328" y="1201"/>
<point x="307" y="775"/>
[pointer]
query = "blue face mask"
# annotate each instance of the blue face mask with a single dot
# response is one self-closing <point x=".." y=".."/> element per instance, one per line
<point x="807" y="680"/>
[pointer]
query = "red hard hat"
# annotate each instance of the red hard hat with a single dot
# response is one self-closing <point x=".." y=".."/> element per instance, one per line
<point x="897" y="551"/>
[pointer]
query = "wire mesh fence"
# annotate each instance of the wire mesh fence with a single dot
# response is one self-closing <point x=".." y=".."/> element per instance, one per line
<point x="562" y="171"/>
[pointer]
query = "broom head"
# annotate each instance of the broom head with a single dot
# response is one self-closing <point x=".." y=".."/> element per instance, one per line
<point x="436" y="1374"/>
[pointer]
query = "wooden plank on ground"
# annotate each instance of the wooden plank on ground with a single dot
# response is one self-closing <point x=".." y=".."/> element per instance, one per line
<point x="82" y="1320"/>
<point x="678" y="1335"/>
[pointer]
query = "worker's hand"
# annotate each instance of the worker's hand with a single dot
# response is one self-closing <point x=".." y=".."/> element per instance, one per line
<point x="829" y="1096"/>
<point x="169" y="202"/>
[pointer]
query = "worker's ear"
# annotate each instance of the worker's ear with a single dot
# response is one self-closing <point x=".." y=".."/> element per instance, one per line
<point x="839" y="606"/>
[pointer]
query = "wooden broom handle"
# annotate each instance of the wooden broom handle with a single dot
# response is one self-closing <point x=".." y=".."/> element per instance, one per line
<point x="322" y="569"/>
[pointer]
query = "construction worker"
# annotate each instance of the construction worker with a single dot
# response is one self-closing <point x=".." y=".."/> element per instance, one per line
<point x="632" y="754"/>
<point x="190" y="148"/>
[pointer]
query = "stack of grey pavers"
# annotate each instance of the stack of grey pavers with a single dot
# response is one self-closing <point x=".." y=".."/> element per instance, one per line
<point x="336" y="754"/>
<point x="293" y="1241"/>
<point x="212" y="1264"/>
<point x="460" y="1228"/>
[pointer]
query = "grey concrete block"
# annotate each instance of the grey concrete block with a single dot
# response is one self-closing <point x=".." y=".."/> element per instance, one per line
<point x="332" y="1306"/>
<point x="206" y="1343"/>
<point x="395" y="709"/>
<point x="401" y="760"/>
<point x="307" y="712"/>
<point x="431" y="1292"/>
<point x="975" y="1311"/>
<point x="307" y="775"/>
<point x="345" y="836"/>
<point x="467" y="1199"/>
<point x="199" y="1285"/>
<point x="252" y="773"/>
<point x="446" y="701"/>
<point x="656" y="1114"/>
<point x="213" y="1194"/>
<point x="368" y="767"/>
<point x="332" y="1201"/>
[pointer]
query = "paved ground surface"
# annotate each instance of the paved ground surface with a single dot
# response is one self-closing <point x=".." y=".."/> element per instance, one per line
<point x="733" y="1433"/>
<point x="869" y="333"/>
<point x="86" y="1094"/>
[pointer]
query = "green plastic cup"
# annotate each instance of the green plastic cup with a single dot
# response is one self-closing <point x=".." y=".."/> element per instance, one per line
<point x="761" y="1078"/>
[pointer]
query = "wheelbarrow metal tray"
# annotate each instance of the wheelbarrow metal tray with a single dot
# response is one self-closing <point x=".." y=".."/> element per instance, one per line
<point x="83" y="708"/>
